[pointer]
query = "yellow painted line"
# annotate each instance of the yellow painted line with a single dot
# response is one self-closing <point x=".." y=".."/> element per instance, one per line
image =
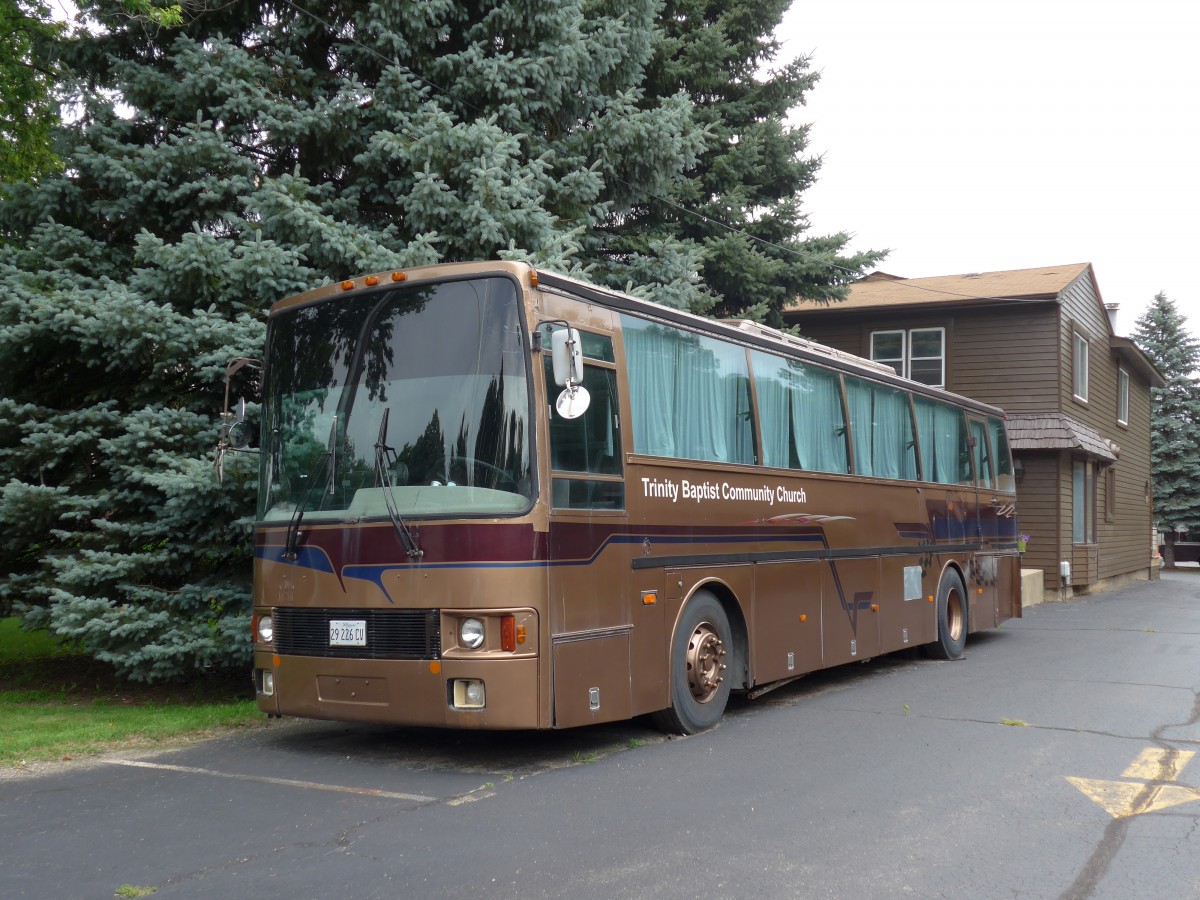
<point x="1156" y="768"/>
<point x="1153" y="760"/>
<point x="1122" y="799"/>
<point x="265" y="779"/>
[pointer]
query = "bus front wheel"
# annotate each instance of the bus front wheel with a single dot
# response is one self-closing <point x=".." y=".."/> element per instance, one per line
<point x="952" y="620"/>
<point x="699" y="683"/>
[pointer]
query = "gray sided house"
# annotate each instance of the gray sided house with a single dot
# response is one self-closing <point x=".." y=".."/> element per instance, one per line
<point x="1039" y="343"/>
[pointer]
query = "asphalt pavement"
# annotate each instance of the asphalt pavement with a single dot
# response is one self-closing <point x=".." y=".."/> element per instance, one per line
<point x="1055" y="760"/>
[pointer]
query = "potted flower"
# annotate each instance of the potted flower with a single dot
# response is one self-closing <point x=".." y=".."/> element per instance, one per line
<point x="1022" y="542"/>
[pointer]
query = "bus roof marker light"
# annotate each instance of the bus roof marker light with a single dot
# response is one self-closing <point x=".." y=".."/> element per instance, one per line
<point x="533" y="278"/>
<point x="398" y="276"/>
<point x="347" y="285"/>
<point x="371" y="280"/>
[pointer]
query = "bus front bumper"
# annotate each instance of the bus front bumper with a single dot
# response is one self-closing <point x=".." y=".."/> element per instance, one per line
<point x="453" y="693"/>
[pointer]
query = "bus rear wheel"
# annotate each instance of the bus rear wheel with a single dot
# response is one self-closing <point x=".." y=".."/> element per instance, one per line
<point x="952" y="621"/>
<point x="699" y="686"/>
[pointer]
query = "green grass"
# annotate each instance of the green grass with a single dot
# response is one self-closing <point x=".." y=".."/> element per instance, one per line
<point x="56" y="703"/>
<point x="19" y="646"/>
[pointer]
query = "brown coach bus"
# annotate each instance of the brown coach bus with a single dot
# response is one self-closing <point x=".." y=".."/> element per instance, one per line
<point x="496" y="497"/>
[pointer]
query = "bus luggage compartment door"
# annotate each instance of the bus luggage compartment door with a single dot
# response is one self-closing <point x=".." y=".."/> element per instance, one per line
<point x="787" y="620"/>
<point x="591" y="677"/>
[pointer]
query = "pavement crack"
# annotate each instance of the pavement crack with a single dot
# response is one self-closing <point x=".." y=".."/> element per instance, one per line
<point x="1117" y="830"/>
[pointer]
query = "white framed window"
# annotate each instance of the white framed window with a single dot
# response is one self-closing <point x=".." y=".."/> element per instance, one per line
<point x="891" y="348"/>
<point x="1122" y="397"/>
<point x="1083" y="503"/>
<point x="1079" y="368"/>
<point x="916" y="353"/>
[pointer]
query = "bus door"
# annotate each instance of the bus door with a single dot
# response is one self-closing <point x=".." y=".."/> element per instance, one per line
<point x="984" y="568"/>
<point x="591" y="625"/>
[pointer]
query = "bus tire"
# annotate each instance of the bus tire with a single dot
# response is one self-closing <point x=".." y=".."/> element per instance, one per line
<point x="952" y="622"/>
<point x="699" y="683"/>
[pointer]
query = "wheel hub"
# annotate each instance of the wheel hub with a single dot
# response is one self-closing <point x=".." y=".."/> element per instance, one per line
<point x="704" y="667"/>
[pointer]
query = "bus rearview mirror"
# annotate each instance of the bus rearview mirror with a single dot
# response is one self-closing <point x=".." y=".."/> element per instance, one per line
<point x="566" y="352"/>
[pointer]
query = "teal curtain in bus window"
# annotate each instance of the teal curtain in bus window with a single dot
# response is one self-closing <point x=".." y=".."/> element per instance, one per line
<point x="1004" y="471"/>
<point x="650" y="354"/>
<point x="862" y="425"/>
<point x="892" y="440"/>
<point x="943" y="441"/>
<point x="690" y="394"/>
<point x="882" y="427"/>
<point x="800" y="414"/>
<point x="773" y="384"/>
<point x="818" y="420"/>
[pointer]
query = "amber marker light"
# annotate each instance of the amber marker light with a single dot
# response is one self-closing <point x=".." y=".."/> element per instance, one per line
<point x="347" y="285"/>
<point x="874" y="607"/>
<point x="398" y="276"/>
<point x="435" y="668"/>
<point x="276" y="661"/>
<point x="803" y="617"/>
<point x="508" y="633"/>
<point x="533" y="278"/>
<point x="520" y="634"/>
<point x="931" y="598"/>
<point x="649" y="598"/>
<point x="371" y="280"/>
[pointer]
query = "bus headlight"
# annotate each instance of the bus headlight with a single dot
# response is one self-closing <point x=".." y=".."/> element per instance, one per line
<point x="468" y="693"/>
<point x="471" y="633"/>
<point x="266" y="629"/>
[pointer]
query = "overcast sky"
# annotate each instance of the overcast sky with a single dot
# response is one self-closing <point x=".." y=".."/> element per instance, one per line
<point x="979" y="136"/>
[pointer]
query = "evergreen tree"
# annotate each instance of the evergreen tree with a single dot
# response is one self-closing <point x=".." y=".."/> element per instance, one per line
<point x="1175" y="428"/>
<point x="750" y="177"/>
<point x="28" y="110"/>
<point x="258" y="150"/>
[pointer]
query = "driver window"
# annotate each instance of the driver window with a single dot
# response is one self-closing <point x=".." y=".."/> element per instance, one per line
<point x="585" y="453"/>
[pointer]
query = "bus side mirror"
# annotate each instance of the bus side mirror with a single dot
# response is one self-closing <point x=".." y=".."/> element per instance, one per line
<point x="566" y="353"/>
<point x="234" y="434"/>
<point x="239" y="433"/>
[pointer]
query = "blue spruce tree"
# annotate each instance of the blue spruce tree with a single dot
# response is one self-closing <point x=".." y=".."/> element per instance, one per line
<point x="1175" y="420"/>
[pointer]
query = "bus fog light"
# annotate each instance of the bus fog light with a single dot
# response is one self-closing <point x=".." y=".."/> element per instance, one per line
<point x="470" y="633"/>
<point x="268" y="683"/>
<point x="468" y="693"/>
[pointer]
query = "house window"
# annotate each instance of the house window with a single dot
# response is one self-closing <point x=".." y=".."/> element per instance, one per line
<point x="1110" y="494"/>
<point x="1083" y="503"/>
<point x="1122" y="397"/>
<point x="1080" y="367"/>
<point x="918" y="353"/>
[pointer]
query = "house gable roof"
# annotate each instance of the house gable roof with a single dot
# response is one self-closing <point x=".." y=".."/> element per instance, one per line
<point x="882" y="290"/>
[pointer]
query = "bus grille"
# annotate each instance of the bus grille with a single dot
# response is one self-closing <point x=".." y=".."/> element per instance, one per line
<point x="391" y="633"/>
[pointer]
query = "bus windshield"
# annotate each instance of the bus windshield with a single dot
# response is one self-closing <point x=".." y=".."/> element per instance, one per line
<point x="415" y="398"/>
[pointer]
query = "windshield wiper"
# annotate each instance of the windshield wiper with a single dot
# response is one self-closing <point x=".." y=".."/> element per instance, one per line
<point x="326" y="461"/>
<point x="385" y="458"/>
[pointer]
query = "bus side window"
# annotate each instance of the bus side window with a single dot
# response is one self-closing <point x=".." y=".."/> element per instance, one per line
<point x="983" y="454"/>
<point x="585" y="453"/>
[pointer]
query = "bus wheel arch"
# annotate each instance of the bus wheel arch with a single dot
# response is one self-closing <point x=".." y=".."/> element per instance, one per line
<point x="706" y="660"/>
<point x="953" y="616"/>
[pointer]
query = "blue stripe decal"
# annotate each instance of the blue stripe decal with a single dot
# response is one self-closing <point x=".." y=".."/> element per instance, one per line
<point x="306" y="557"/>
<point x="314" y="558"/>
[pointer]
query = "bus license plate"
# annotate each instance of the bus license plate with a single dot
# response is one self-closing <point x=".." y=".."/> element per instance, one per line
<point x="348" y="633"/>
